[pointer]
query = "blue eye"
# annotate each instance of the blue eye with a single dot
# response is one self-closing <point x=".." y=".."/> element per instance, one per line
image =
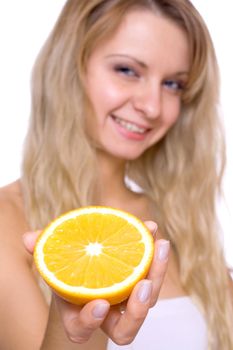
<point x="174" y="85"/>
<point x="125" y="70"/>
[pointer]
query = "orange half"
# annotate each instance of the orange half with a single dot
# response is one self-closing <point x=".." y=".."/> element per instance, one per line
<point x="94" y="252"/>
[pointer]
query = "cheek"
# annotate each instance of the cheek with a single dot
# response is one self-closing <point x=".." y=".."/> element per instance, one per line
<point x="107" y="97"/>
<point x="172" y="112"/>
<point x="112" y="94"/>
<point x="103" y="88"/>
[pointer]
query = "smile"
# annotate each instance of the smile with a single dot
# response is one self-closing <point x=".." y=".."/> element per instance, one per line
<point x="130" y="126"/>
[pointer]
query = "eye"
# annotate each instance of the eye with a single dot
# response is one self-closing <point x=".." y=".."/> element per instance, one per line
<point x="174" y="85"/>
<point x="126" y="70"/>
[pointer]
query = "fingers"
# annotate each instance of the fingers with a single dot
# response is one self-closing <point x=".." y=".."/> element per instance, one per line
<point x="158" y="267"/>
<point x="80" y="322"/>
<point x="123" y="327"/>
<point x="29" y="240"/>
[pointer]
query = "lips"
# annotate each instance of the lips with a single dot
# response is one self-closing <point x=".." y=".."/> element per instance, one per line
<point x="129" y="126"/>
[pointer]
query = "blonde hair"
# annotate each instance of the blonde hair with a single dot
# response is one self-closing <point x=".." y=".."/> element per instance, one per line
<point x="181" y="173"/>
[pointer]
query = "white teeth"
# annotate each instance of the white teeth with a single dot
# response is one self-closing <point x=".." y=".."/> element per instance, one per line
<point x="129" y="126"/>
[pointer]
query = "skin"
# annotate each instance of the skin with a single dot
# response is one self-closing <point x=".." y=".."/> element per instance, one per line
<point x="150" y="100"/>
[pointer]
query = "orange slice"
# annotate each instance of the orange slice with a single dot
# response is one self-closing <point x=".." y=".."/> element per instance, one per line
<point x="94" y="252"/>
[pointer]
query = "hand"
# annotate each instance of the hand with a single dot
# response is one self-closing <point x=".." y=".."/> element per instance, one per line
<point x="120" y="322"/>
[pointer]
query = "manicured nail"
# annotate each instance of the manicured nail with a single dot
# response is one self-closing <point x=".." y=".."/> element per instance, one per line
<point x="162" y="250"/>
<point x="145" y="291"/>
<point x="100" y="310"/>
<point x="154" y="229"/>
<point x="27" y="239"/>
<point x="152" y="226"/>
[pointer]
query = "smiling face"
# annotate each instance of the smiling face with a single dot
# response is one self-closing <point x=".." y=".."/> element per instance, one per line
<point x="134" y="82"/>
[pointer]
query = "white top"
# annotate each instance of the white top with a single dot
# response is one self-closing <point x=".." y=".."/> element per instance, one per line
<point x="172" y="324"/>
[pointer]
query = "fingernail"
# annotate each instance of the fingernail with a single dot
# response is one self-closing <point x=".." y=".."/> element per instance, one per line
<point x="145" y="291"/>
<point x="162" y="250"/>
<point x="26" y="238"/>
<point x="155" y="229"/>
<point x="152" y="226"/>
<point x="100" y="310"/>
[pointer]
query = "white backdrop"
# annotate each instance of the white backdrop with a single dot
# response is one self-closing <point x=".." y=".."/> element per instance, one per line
<point x="24" y="26"/>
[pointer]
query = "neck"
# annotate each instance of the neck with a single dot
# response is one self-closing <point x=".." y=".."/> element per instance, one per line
<point x="111" y="173"/>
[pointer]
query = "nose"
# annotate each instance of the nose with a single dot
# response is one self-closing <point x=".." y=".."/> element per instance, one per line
<point x="148" y="99"/>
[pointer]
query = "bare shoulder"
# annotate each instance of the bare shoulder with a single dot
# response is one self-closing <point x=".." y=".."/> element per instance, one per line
<point x="11" y="195"/>
<point x="11" y="200"/>
<point x="12" y="217"/>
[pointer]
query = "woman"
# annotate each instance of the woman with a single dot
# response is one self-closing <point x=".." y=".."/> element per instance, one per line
<point x="128" y="89"/>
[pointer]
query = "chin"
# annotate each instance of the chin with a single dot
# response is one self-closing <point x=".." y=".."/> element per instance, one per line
<point x="122" y="151"/>
<point x="127" y="155"/>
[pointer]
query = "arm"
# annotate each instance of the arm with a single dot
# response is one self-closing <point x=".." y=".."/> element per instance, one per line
<point x="23" y="311"/>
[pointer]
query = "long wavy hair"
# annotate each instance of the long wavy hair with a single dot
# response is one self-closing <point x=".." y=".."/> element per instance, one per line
<point x="181" y="173"/>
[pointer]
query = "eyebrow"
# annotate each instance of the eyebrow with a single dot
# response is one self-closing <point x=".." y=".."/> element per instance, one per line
<point x="142" y="64"/>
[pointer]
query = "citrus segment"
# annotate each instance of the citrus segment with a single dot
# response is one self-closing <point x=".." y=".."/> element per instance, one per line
<point x="94" y="252"/>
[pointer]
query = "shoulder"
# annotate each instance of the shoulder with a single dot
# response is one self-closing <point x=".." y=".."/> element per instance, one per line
<point x="11" y="205"/>
<point x="11" y="192"/>
<point x="12" y="217"/>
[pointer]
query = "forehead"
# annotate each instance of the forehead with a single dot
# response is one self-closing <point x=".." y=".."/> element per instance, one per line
<point x="150" y="38"/>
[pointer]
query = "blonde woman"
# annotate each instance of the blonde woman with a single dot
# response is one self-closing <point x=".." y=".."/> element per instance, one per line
<point x="124" y="94"/>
